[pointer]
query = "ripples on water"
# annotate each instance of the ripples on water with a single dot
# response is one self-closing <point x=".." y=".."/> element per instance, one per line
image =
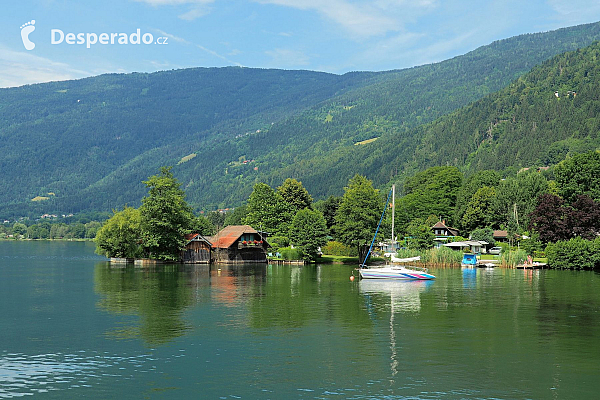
<point x="23" y="375"/>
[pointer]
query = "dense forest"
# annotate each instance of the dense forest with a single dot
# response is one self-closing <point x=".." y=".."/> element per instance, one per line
<point x="86" y="145"/>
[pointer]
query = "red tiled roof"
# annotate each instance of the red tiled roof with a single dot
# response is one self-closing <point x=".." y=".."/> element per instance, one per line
<point x="228" y="235"/>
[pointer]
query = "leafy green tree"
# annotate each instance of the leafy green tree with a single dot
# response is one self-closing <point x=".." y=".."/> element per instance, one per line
<point x="420" y="236"/>
<point x="237" y="216"/>
<point x="308" y="232"/>
<point x="328" y="208"/>
<point x="430" y="192"/>
<point x="165" y="217"/>
<point x="266" y="210"/>
<point x="19" y="228"/>
<point x="120" y="235"/>
<point x="484" y="234"/>
<point x="203" y="226"/>
<point x="578" y="175"/>
<point x="469" y="187"/>
<point x="479" y="211"/>
<point x="516" y="198"/>
<point x="358" y="214"/>
<point x="294" y="195"/>
<point x="216" y="219"/>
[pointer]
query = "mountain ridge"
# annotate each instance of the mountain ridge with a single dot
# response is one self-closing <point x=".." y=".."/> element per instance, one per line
<point x="92" y="141"/>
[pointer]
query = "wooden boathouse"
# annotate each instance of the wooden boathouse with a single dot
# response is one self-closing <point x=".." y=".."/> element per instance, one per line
<point x="239" y="244"/>
<point x="197" y="249"/>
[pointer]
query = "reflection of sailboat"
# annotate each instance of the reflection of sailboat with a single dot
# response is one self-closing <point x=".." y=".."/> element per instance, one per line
<point x="394" y="271"/>
<point x="404" y="296"/>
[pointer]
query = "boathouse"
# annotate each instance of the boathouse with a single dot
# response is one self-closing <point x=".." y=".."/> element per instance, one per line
<point x="239" y="244"/>
<point x="197" y="249"/>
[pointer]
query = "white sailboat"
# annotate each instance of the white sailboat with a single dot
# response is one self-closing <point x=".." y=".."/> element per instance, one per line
<point x="393" y="271"/>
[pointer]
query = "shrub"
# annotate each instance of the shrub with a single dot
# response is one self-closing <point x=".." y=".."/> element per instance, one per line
<point x="576" y="253"/>
<point x="338" y="249"/>
<point x="288" y="254"/>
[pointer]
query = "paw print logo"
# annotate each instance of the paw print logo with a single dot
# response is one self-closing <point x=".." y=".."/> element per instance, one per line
<point x="26" y="29"/>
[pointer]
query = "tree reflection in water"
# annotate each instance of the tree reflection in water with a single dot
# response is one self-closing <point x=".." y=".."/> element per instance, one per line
<point x="158" y="295"/>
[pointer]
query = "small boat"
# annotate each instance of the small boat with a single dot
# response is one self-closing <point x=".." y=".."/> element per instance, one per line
<point x="469" y="260"/>
<point x="395" y="272"/>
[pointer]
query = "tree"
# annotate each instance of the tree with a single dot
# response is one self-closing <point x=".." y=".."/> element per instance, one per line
<point x="516" y="198"/>
<point x="266" y="210"/>
<point x="120" y="235"/>
<point x="555" y="220"/>
<point x="470" y="186"/>
<point x="237" y="216"/>
<point x="432" y="191"/>
<point x="549" y="219"/>
<point x="579" y="174"/>
<point x="19" y="229"/>
<point x="484" y="234"/>
<point x="308" y="232"/>
<point x="420" y="235"/>
<point x="216" y="219"/>
<point x="165" y="217"/>
<point x="294" y="195"/>
<point x="203" y="226"/>
<point x="358" y="214"/>
<point x="479" y="211"/>
<point x="328" y="208"/>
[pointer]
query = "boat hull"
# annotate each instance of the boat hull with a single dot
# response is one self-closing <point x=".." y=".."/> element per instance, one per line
<point x="394" y="273"/>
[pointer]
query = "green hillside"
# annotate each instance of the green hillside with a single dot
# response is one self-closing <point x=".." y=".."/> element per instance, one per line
<point x="90" y="142"/>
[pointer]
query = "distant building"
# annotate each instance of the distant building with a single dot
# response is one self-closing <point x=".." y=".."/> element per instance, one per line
<point x="501" y="236"/>
<point x="239" y="244"/>
<point x="440" y="229"/>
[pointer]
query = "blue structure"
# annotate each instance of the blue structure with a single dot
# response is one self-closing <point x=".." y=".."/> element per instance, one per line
<point x="469" y="260"/>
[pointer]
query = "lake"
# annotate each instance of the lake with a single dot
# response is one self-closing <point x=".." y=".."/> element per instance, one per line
<point x="73" y="326"/>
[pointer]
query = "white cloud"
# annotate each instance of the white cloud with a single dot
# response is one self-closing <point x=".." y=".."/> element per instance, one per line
<point x="20" y="68"/>
<point x="362" y="19"/>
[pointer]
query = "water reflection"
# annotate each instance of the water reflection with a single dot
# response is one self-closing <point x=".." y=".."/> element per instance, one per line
<point x="404" y="295"/>
<point x="157" y="295"/>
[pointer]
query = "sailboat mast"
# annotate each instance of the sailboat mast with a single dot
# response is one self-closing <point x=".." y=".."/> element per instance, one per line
<point x="393" y="212"/>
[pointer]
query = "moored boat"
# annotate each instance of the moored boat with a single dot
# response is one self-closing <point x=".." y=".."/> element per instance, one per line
<point x="395" y="272"/>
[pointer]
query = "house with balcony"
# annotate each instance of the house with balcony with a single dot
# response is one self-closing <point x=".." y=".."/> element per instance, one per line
<point x="239" y="244"/>
<point x="443" y="233"/>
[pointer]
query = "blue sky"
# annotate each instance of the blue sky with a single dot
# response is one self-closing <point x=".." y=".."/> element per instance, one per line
<point x="335" y="36"/>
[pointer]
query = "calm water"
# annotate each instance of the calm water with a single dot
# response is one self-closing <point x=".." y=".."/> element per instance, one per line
<point x="72" y="326"/>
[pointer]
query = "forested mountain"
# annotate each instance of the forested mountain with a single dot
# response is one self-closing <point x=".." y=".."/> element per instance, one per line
<point x="87" y="144"/>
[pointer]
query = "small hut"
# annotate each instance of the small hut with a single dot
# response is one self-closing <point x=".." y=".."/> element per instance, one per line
<point x="239" y="244"/>
<point x="197" y="249"/>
